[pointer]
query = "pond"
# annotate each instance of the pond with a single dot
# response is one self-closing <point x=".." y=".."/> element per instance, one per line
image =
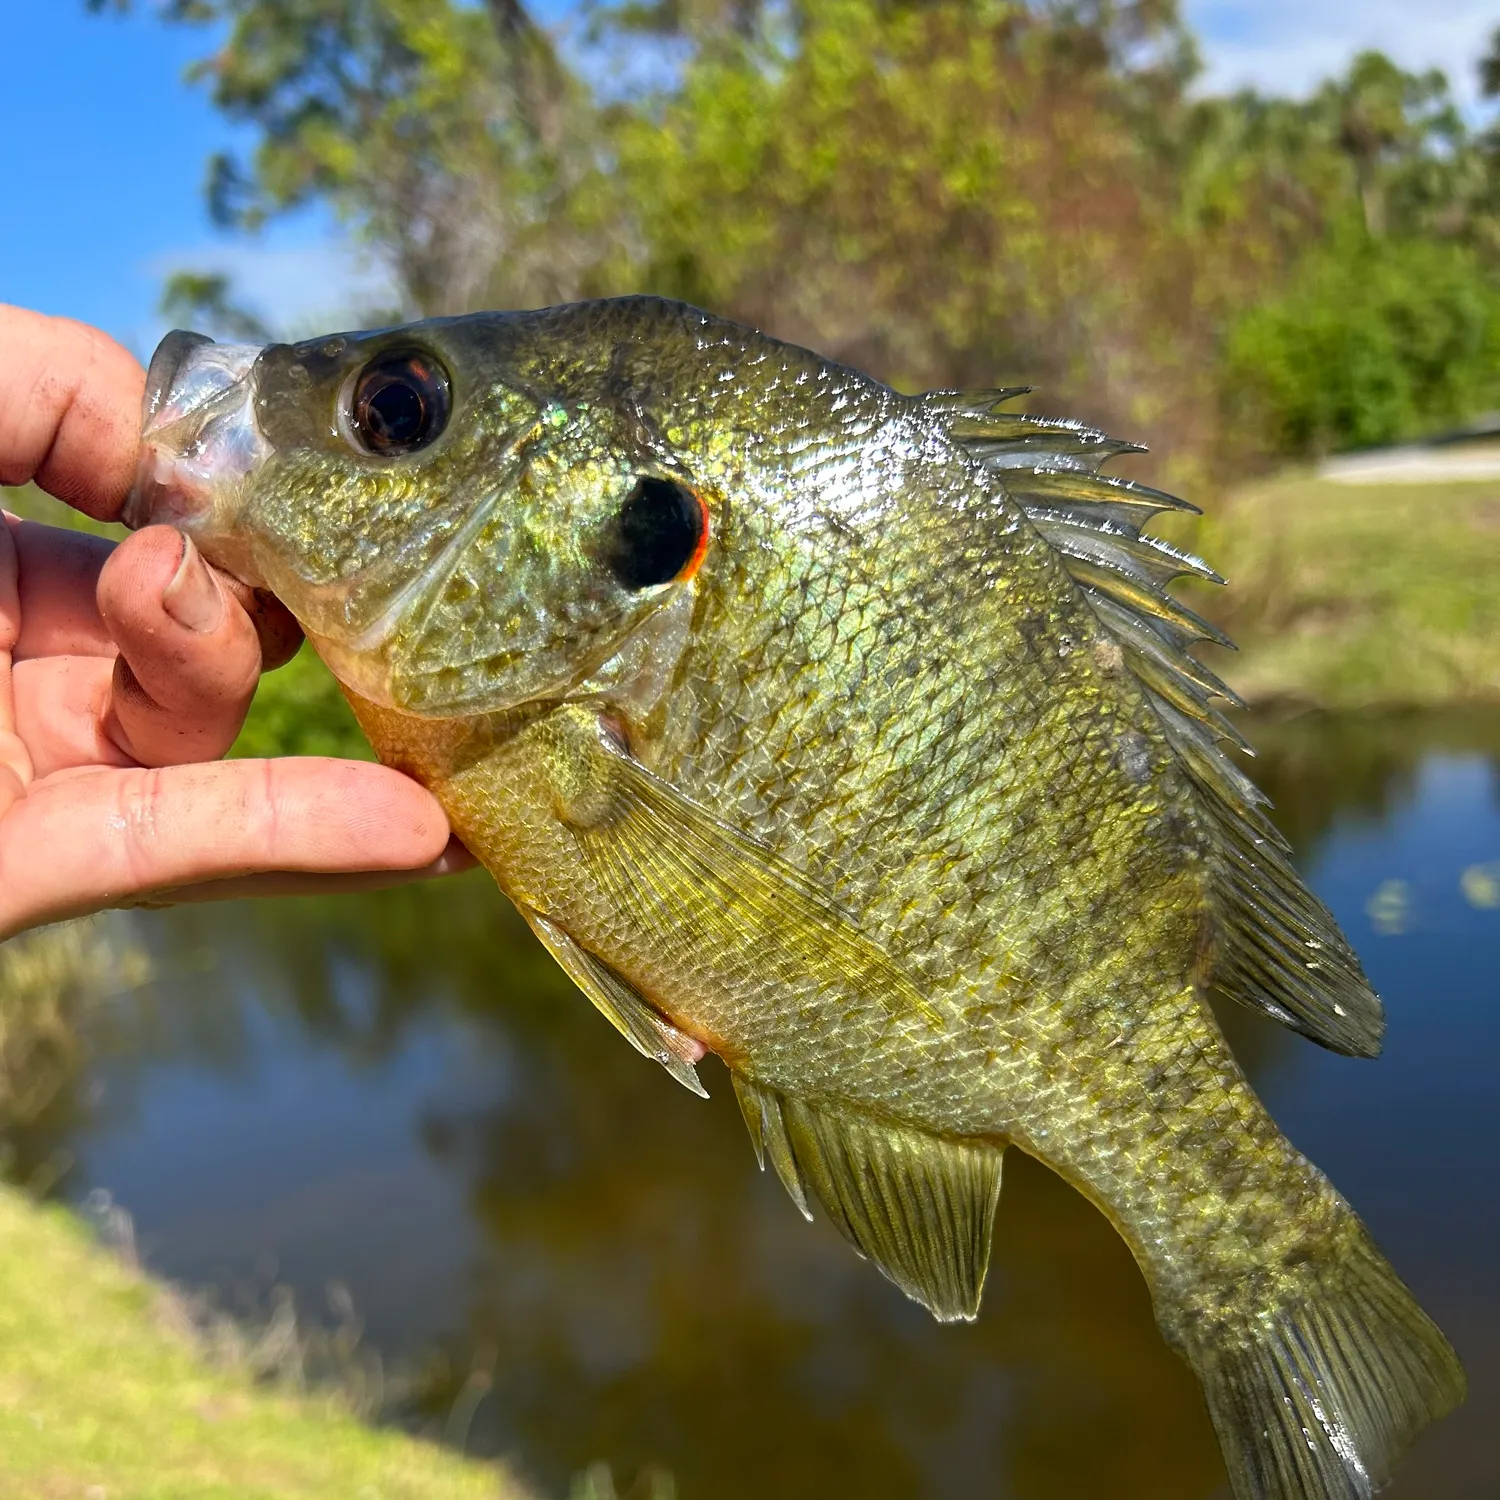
<point x="572" y="1260"/>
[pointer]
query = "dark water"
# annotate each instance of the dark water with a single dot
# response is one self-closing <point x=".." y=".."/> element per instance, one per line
<point x="399" y="1093"/>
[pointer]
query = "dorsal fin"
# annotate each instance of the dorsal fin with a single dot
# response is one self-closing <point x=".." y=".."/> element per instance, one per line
<point x="921" y="1206"/>
<point x="1278" y="948"/>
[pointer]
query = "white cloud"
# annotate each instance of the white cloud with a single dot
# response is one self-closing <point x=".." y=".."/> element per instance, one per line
<point x="298" y="289"/>
<point x="1288" y="46"/>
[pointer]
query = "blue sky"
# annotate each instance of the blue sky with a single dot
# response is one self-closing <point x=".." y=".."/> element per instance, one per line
<point x="105" y="148"/>
<point x="104" y="165"/>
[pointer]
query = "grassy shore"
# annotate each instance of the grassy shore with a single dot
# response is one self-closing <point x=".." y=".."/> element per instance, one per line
<point x="1357" y="596"/>
<point x="104" y="1397"/>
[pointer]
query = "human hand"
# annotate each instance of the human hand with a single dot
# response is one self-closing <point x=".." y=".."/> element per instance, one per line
<point x="126" y="671"/>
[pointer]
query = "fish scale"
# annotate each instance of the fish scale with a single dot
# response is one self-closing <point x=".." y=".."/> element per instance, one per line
<point x="899" y="790"/>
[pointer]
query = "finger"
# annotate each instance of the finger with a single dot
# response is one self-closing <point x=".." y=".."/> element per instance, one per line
<point x="70" y="411"/>
<point x="59" y="577"/>
<point x="454" y="860"/>
<point x="189" y="655"/>
<point x="15" y="762"/>
<point x="81" y="842"/>
<point x="63" y="713"/>
<point x="60" y="613"/>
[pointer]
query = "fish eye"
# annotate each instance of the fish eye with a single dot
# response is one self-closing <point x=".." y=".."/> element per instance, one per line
<point x="399" y="403"/>
<point x="659" y="534"/>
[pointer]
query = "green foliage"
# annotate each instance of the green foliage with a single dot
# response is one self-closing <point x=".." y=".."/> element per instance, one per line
<point x="299" y="710"/>
<point x="1489" y="67"/>
<point x="449" y="134"/>
<point x="197" y="299"/>
<point x="952" y="192"/>
<point x="1369" y="343"/>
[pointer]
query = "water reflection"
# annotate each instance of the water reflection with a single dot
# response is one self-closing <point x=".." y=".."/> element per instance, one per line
<point x="402" y="1094"/>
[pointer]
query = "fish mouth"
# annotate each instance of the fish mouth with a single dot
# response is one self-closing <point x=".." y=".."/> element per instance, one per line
<point x="170" y="356"/>
<point x="199" y="436"/>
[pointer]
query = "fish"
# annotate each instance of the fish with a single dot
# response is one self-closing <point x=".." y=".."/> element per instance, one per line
<point x="858" y="739"/>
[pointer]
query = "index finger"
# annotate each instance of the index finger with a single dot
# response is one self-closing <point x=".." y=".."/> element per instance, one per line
<point x="70" y="411"/>
<point x="83" y="840"/>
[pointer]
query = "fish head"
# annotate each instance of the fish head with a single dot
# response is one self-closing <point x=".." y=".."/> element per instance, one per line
<point x="459" y="524"/>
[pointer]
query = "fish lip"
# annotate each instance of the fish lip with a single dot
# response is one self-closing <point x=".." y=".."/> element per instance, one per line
<point x="198" y="431"/>
<point x="162" y="371"/>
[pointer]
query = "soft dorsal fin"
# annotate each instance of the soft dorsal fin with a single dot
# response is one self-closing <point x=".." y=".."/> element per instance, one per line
<point x="1278" y="947"/>
<point x="922" y="1207"/>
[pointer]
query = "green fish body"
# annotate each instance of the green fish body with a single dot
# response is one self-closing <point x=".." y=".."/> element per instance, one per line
<point x="852" y="737"/>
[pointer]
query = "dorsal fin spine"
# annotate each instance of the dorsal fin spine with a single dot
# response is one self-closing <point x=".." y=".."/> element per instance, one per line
<point x="1101" y="579"/>
<point x="1277" y="947"/>
<point x="1092" y="494"/>
<point x="1148" y="558"/>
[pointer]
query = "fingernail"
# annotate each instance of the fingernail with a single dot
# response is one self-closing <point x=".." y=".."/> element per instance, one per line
<point x="193" y="598"/>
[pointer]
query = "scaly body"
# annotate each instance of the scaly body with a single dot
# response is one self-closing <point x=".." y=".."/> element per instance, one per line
<point x="894" y="794"/>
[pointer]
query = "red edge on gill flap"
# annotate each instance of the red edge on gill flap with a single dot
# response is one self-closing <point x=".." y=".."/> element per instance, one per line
<point x="695" y="562"/>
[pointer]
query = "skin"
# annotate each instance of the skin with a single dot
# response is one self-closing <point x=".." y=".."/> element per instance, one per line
<point x="881" y="687"/>
<point x="112" y="710"/>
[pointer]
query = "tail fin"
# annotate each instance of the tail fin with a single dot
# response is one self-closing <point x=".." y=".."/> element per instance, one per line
<point x="1317" y="1399"/>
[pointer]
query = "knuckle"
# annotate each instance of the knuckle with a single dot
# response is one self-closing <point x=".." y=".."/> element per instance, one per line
<point x="139" y="810"/>
<point x="272" y="791"/>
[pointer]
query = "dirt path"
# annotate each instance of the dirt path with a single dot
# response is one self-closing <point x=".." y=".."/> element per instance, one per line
<point x="1417" y="464"/>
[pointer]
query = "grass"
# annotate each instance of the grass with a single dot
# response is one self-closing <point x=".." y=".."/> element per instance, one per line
<point x="104" y="1395"/>
<point x="1356" y="596"/>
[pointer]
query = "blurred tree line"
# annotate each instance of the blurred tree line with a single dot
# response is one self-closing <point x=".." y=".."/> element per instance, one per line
<point x="945" y="193"/>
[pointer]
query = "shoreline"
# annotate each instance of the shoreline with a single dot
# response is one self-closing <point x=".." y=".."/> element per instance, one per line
<point x="105" y="1391"/>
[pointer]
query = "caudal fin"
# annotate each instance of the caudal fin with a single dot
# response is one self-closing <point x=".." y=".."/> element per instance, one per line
<point x="1317" y="1399"/>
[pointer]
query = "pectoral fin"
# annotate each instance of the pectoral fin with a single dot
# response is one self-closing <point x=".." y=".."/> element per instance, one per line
<point x="696" y="887"/>
<point x="920" y="1206"/>
<point x="649" y="1032"/>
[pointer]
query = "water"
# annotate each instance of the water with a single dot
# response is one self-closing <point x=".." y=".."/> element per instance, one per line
<point x="400" y="1094"/>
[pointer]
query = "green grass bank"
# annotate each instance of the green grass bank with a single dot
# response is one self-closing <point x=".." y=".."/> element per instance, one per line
<point x="1346" y="596"/>
<point x="103" y="1396"/>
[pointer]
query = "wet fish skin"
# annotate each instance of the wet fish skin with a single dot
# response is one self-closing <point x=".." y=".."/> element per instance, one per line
<point x="878" y="805"/>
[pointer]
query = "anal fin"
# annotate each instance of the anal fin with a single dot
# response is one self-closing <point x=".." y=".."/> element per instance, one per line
<point x="921" y="1206"/>
<point x="762" y="1110"/>
<point x="623" y="1006"/>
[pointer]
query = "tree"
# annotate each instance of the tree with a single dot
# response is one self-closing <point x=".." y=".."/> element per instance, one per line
<point x="943" y="191"/>
<point x="451" y="135"/>
<point x="204" y="299"/>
